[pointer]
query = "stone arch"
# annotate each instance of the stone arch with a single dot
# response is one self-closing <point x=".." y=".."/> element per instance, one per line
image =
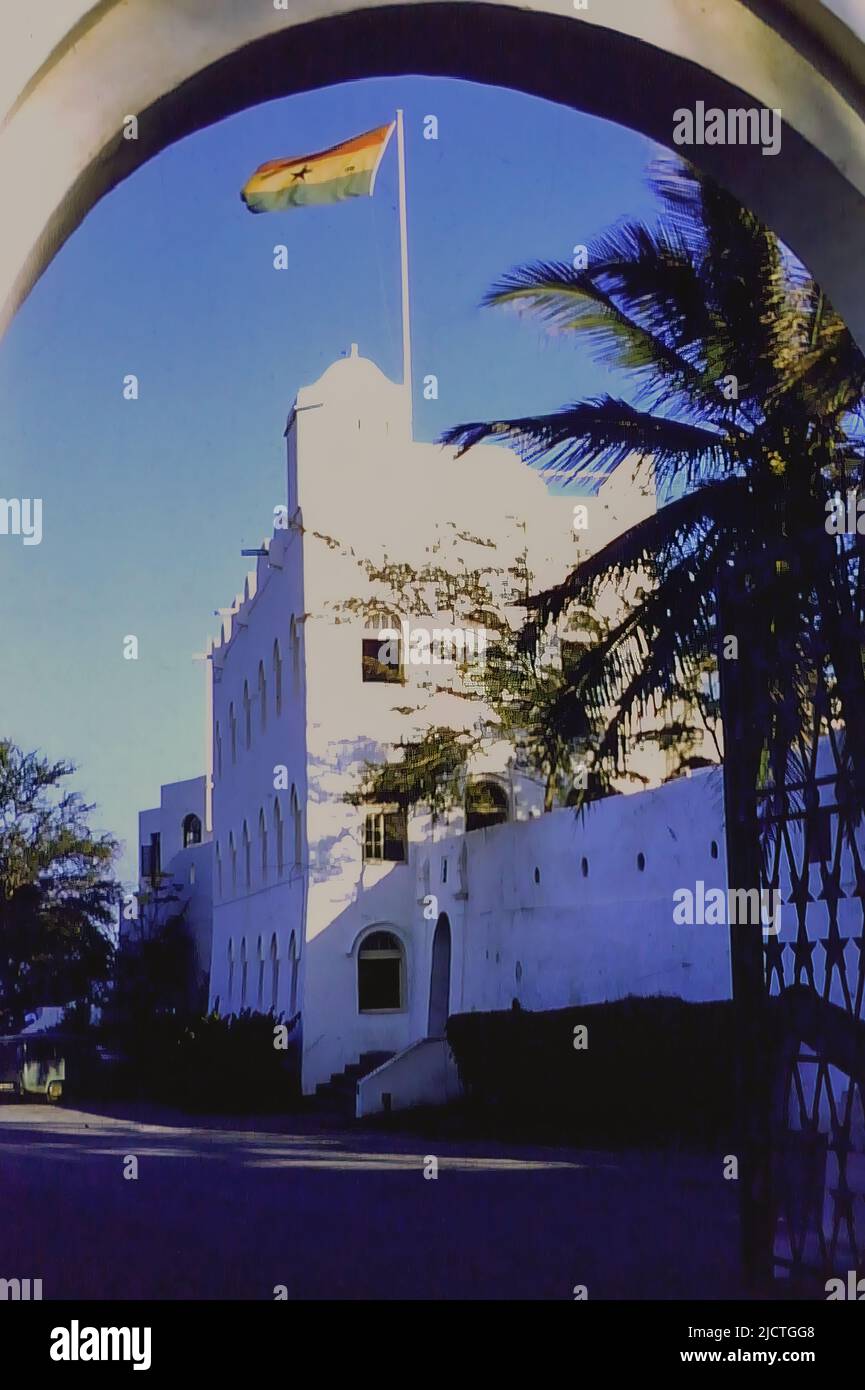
<point x="635" y="64"/>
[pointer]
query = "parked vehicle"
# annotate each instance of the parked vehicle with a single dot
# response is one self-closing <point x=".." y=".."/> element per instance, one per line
<point x="32" y="1064"/>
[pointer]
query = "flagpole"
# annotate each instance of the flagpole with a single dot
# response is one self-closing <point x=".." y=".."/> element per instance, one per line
<point x="403" y="257"/>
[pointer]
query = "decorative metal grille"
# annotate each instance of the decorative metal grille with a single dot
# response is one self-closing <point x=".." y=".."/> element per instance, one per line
<point x="814" y="847"/>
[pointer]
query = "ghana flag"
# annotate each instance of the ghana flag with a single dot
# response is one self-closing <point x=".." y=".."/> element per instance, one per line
<point x="344" y="171"/>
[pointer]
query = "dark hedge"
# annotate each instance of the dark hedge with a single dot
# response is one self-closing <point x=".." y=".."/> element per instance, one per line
<point x="655" y="1069"/>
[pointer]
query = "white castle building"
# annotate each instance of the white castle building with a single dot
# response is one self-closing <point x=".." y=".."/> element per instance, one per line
<point x="363" y="925"/>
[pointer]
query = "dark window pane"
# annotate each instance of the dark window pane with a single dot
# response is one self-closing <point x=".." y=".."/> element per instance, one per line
<point x="486" y="804"/>
<point x="572" y="653"/>
<point x="191" y="831"/>
<point x="376" y="670"/>
<point x="385" y="837"/>
<point x="378" y="980"/>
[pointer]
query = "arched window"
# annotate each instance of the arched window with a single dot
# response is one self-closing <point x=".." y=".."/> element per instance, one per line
<point x="232" y="856"/>
<point x="247" y="858"/>
<point x="262" y="696"/>
<point x="218" y="745"/>
<point x="486" y="804"/>
<point x="292" y="967"/>
<point x="244" y="967"/>
<point x="191" y="830"/>
<point x="296" y="829"/>
<point x="232" y="731"/>
<point x="294" y="642"/>
<point x="218" y="871"/>
<point x="260" y="992"/>
<point x="277" y="678"/>
<point x="262" y="840"/>
<point x="230" y="995"/>
<point x="274" y="973"/>
<point x="247" y="716"/>
<point x="382" y="655"/>
<point x="280" y="839"/>
<point x="380" y="972"/>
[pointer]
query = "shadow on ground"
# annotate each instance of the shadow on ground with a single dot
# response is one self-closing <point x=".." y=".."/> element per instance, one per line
<point x="232" y="1208"/>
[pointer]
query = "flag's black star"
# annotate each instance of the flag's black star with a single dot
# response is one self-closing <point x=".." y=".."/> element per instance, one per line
<point x="301" y="173"/>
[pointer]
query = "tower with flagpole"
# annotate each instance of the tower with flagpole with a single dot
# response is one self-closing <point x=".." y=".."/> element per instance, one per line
<point x="403" y="264"/>
<point x="343" y="171"/>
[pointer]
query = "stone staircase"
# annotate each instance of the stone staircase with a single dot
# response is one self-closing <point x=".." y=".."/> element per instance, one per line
<point x="338" y="1094"/>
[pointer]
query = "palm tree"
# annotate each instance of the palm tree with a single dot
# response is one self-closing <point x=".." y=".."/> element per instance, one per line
<point x="748" y="415"/>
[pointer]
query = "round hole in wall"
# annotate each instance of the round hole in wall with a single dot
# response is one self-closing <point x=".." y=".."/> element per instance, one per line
<point x="537" y="875"/>
<point x="713" y="849"/>
<point x="584" y="865"/>
<point x="641" y="861"/>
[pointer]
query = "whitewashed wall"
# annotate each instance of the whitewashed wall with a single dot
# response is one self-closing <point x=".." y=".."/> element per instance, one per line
<point x="358" y="488"/>
<point x="557" y="911"/>
<point x="188" y="872"/>
<point x="249" y="918"/>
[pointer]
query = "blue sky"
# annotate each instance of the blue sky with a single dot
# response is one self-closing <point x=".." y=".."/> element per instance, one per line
<point x="147" y="503"/>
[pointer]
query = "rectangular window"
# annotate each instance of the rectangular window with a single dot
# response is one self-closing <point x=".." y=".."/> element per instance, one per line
<point x="381" y="660"/>
<point x="150" y="865"/>
<point x="571" y="655"/>
<point x="384" y="838"/>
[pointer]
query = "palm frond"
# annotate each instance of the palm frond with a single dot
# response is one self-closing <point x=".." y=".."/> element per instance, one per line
<point x="585" y="442"/>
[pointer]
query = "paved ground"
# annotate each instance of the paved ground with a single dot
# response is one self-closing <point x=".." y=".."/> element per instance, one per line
<point x="230" y="1209"/>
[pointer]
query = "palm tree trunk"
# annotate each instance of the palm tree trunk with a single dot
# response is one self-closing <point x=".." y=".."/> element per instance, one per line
<point x="740" y="690"/>
<point x="844" y="645"/>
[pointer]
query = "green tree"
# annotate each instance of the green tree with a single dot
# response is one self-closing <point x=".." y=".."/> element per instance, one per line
<point x="518" y="683"/>
<point x="748" y="414"/>
<point x="153" y="976"/>
<point x="57" y="899"/>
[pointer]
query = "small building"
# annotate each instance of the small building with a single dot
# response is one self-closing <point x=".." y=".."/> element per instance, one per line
<point x="175" y="872"/>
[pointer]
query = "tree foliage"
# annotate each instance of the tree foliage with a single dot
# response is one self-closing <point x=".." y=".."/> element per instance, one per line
<point x="748" y="415"/>
<point x="57" y="898"/>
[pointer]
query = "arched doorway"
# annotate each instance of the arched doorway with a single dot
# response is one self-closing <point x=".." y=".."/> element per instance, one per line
<point x="440" y="978"/>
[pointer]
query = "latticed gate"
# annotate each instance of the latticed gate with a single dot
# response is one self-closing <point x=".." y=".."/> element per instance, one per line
<point x="800" y="995"/>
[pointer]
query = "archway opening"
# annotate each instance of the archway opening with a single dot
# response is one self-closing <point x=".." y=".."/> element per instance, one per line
<point x="440" y="979"/>
<point x="486" y="804"/>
